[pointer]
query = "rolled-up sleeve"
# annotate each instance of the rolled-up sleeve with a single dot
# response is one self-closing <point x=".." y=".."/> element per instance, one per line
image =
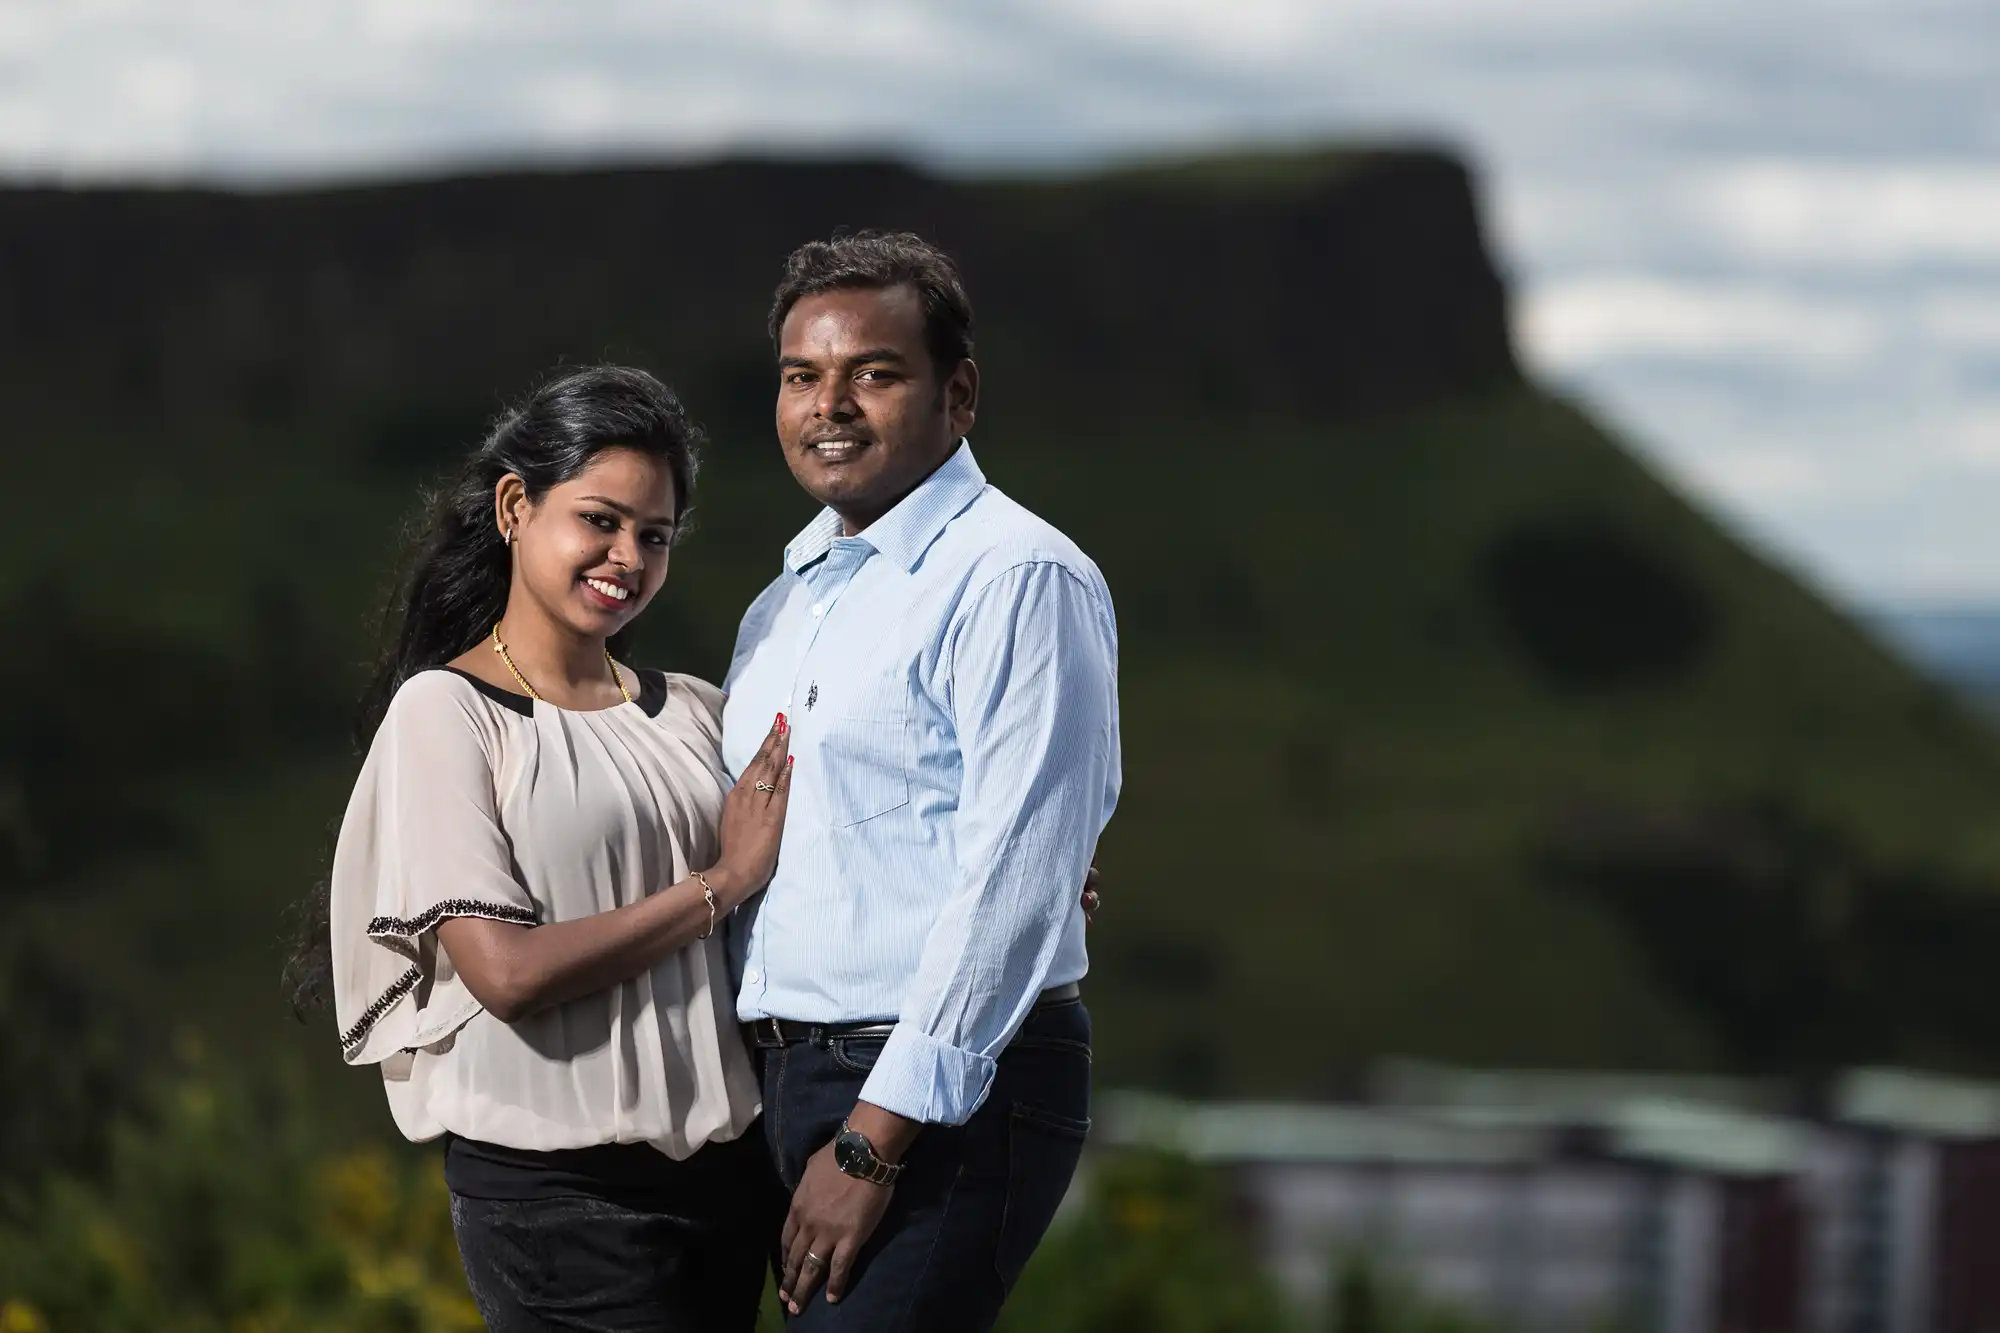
<point x="1033" y="666"/>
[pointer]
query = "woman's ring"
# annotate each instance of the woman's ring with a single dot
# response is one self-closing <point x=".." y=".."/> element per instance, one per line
<point x="765" y="786"/>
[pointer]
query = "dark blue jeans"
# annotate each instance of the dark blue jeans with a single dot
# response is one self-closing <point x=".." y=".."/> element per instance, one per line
<point x="973" y="1200"/>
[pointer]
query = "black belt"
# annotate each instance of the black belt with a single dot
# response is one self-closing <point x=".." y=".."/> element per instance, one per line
<point x="770" y="1033"/>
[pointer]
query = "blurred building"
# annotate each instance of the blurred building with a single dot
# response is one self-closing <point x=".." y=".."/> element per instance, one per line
<point x="1564" y="1201"/>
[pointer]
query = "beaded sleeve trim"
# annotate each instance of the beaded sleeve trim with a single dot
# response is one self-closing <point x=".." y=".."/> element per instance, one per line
<point x="411" y="927"/>
<point x="402" y="986"/>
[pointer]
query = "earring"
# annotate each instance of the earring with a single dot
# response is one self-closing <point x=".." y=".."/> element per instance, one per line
<point x="507" y="539"/>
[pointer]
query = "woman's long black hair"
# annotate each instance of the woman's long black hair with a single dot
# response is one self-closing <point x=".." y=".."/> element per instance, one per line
<point x="459" y="568"/>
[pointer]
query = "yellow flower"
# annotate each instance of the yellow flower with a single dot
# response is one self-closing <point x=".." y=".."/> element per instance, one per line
<point x="113" y="1248"/>
<point x="197" y="1101"/>
<point x="360" y="1191"/>
<point x="393" y="1277"/>
<point x="451" y="1310"/>
<point x="21" y="1317"/>
<point x="1140" y="1213"/>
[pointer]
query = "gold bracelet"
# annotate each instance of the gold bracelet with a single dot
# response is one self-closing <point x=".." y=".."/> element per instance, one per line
<point x="707" y="896"/>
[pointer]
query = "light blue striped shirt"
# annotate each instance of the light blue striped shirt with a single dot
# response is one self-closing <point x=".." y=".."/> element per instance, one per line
<point x="951" y="679"/>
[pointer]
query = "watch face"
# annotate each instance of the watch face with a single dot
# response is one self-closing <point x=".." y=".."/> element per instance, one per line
<point x="852" y="1154"/>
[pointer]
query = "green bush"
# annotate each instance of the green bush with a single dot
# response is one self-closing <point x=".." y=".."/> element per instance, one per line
<point x="218" y="1210"/>
<point x="1366" y="1299"/>
<point x="219" y="1207"/>
<point x="1150" y="1248"/>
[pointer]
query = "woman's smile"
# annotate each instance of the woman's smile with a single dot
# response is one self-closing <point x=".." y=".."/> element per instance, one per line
<point x="607" y="593"/>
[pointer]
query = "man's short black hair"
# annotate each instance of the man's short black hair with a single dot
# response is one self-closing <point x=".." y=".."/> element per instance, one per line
<point x="874" y="260"/>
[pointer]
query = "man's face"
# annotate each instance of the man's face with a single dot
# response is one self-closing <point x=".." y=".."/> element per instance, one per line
<point x="862" y="415"/>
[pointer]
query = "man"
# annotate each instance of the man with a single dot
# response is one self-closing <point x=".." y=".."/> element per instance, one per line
<point x="948" y="664"/>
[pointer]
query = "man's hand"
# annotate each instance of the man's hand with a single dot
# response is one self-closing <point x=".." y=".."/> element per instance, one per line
<point x="832" y="1217"/>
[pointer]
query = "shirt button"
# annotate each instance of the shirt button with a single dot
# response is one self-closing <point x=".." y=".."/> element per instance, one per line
<point x="753" y="976"/>
<point x="819" y="610"/>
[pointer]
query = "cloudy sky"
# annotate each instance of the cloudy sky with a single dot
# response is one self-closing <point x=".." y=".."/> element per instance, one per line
<point x="1764" y="240"/>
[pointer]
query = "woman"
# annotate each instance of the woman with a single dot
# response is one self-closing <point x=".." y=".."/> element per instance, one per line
<point x="529" y="879"/>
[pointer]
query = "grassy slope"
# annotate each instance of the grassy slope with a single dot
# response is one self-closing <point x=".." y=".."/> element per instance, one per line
<point x="1335" y="788"/>
<point x="1339" y="760"/>
<point x="1336" y="758"/>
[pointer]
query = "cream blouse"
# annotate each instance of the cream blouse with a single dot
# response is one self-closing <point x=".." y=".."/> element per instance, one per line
<point x="477" y="802"/>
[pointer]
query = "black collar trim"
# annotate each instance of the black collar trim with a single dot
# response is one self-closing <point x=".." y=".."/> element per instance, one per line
<point x="651" y="699"/>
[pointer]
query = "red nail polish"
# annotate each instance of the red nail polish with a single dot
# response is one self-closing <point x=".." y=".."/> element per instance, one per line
<point x="781" y="724"/>
<point x="791" y="759"/>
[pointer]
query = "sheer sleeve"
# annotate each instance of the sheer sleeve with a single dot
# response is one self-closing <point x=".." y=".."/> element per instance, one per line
<point x="703" y="703"/>
<point x="421" y="842"/>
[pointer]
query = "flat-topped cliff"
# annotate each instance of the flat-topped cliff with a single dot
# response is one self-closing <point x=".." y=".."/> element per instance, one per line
<point x="1341" y="283"/>
<point x="1451" y="731"/>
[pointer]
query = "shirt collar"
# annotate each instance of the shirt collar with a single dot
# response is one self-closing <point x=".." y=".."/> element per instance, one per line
<point x="907" y="531"/>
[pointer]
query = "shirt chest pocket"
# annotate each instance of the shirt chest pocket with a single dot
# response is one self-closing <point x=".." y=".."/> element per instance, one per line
<point x="865" y="751"/>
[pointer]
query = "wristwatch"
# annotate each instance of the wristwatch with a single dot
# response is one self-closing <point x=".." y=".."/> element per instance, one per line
<point x="855" y="1155"/>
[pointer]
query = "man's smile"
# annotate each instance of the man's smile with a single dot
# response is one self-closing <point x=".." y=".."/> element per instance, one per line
<point x="838" y="449"/>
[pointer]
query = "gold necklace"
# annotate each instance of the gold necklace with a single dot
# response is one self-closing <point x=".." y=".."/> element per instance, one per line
<point x="506" y="657"/>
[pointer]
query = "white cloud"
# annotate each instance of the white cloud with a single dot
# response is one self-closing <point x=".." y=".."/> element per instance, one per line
<point x="1849" y="214"/>
<point x="1766" y="238"/>
<point x="1966" y="321"/>
<point x="1253" y="34"/>
<point x="1971" y="435"/>
<point x="1573" y="323"/>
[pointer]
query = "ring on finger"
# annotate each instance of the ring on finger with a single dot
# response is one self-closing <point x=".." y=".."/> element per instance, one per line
<point x="765" y="786"/>
<point x="814" y="1261"/>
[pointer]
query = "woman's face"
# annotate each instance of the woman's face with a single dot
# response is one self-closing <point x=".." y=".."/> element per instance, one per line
<point x="594" y="550"/>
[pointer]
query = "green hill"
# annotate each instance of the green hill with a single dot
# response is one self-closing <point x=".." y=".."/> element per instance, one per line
<point x="1450" y="730"/>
